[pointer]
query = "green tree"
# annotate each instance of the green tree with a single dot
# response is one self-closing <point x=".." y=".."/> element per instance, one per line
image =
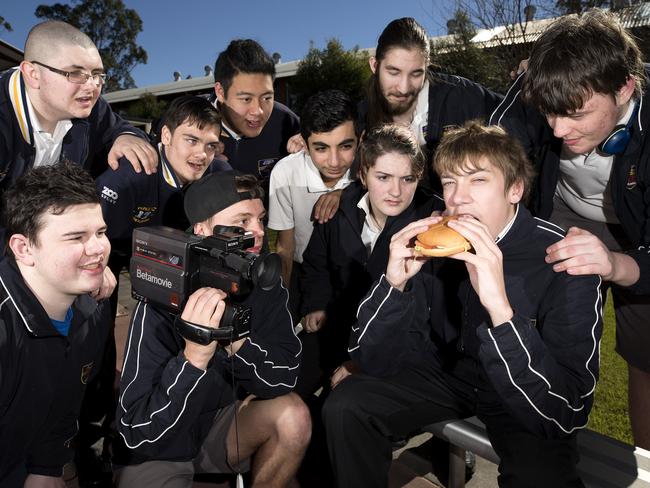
<point x="147" y="107"/>
<point x="112" y="27"/>
<point x="5" y="25"/>
<point x="332" y="67"/>
<point x="458" y="55"/>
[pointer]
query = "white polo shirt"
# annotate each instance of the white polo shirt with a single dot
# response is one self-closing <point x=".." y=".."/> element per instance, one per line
<point x="295" y="186"/>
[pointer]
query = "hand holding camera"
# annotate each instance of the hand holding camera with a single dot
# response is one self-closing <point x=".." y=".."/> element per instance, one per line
<point x="204" y="308"/>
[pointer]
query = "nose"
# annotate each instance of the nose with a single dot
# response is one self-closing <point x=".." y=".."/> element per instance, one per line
<point x="255" y="107"/>
<point x="257" y="228"/>
<point x="395" y="189"/>
<point x="560" y="125"/>
<point x="403" y="85"/>
<point x="459" y="195"/>
<point x="97" y="245"/>
<point x="335" y="159"/>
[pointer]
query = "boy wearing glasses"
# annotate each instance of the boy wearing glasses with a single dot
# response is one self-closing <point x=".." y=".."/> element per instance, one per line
<point x="51" y="109"/>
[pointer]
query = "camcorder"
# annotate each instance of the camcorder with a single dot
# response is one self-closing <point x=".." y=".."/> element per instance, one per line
<point x="168" y="265"/>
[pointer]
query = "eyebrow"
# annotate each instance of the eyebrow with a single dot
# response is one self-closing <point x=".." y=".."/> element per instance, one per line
<point x="244" y="93"/>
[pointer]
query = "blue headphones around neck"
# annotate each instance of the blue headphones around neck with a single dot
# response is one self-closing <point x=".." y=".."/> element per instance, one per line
<point x="617" y="140"/>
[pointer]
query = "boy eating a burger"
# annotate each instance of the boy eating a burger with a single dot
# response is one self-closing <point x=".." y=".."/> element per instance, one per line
<point x="492" y="332"/>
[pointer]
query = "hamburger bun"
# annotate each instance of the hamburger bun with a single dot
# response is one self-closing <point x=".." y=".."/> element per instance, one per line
<point x="440" y="240"/>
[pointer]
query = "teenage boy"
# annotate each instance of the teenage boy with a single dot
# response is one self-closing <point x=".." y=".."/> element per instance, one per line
<point x="585" y="127"/>
<point x="255" y="127"/>
<point x="51" y="109"/>
<point x="404" y="89"/>
<point x="300" y="179"/>
<point x="53" y="332"/>
<point x="495" y="332"/>
<point x="178" y="411"/>
<point x="189" y="142"/>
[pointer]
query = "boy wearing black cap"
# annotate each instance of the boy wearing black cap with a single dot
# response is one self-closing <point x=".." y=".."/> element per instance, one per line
<point x="178" y="399"/>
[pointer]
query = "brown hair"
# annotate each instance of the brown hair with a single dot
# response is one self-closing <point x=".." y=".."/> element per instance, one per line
<point x="403" y="33"/>
<point x="577" y="56"/>
<point x="389" y="138"/>
<point x="462" y="149"/>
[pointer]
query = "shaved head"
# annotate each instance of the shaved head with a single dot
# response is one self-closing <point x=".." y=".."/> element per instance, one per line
<point x="47" y="38"/>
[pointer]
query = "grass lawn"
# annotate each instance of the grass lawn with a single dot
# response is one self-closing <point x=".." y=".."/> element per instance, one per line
<point x="609" y="414"/>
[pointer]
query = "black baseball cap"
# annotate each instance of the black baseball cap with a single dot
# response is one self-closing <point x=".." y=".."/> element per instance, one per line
<point x="211" y="194"/>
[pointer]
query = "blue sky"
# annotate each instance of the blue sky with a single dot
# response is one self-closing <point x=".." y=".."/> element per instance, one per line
<point x="186" y="35"/>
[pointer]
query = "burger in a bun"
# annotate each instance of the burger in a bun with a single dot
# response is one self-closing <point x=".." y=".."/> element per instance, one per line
<point x="440" y="240"/>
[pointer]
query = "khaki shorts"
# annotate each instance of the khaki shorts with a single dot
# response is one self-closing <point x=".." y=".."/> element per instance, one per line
<point x="212" y="458"/>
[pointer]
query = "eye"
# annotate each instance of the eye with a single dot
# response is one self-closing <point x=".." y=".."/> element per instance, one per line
<point x="268" y="98"/>
<point x="347" y="147"/>
<point x="447" y="183"/>
<point x="382" y="177"/>
<point x="212" y="147"/>
<point x="190" y="141"/>
<point x="409" y="179"/>
<point x="320" y="149"/>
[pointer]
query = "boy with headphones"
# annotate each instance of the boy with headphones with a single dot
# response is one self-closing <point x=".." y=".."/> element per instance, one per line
<point x="581" y="111"/>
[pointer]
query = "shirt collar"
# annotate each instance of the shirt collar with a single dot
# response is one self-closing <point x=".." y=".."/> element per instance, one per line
<point x="168" y="173"/>
<point x="508" y="226"/>
<point x="315" y="183"/>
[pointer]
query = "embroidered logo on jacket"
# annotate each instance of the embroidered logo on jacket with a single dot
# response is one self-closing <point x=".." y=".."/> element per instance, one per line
<point x="109" y="195"/>
<point x="142" y="215"/>
<point x="85" y="372"/>
<point x="631" y="178"/>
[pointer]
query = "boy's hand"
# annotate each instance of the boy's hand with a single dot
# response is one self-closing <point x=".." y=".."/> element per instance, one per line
<point x="327" y="205"/>
<point x="204" y="307"/>
<point x="296" y="144"/>
<point x="108" y="285"/>
<point x="485" y="268"/>
<point x="404" y="261"/>
<point x="138" y="151"/>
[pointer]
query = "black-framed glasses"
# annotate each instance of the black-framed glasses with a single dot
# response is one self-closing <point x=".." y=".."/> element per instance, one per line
<point x="77" y="77"/>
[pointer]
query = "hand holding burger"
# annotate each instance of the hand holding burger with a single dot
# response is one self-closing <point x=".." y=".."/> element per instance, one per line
<point x="440" y="240"/>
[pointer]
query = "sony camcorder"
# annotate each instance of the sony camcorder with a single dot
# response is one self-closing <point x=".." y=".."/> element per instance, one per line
<point x="168" y="265"/>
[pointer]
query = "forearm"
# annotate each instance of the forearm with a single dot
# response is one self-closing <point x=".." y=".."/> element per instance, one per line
<point x="625" y="270"/>
<point x="285" y="248"/>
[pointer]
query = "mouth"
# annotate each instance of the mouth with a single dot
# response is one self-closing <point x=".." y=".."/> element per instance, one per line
<point x="85" y="101"/>
<point x="196" y="167"/>
<point x="254" y="124"/>
<point x="95" y="267"/>
<point x="393" y="203"/>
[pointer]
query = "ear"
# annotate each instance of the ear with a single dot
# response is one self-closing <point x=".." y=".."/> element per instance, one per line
<point x="626" y="92"/>
<point x="165" y="135"/>
<point x="362" y="178"/>
<point x="22" y="249"/>
<point x="516" y="192"/>
<point x="200" y="229"/>
<point x="220" y="92"/>
<point x="372" y="61"/>
<point x="31" y="74"/>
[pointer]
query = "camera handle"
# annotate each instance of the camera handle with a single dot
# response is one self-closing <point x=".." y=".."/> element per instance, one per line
<point x="201" y="334"/>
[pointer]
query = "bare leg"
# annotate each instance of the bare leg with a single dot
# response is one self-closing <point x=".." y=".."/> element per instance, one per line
<point x="276" y="433"/>
<point x="639" y="405"/>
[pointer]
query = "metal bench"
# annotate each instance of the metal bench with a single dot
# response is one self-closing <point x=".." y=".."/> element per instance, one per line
<point x="604" y="462"/>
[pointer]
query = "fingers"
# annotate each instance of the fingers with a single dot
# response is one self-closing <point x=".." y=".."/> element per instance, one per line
<point x="205" y="307"/>
<point x="295" y="144"/>
<point x="326" y="206"/>
<point x="138" y="151"/>
<point x="107" y="287"/>
<point x="477" y="234"/>
<point x="404" y="236"/>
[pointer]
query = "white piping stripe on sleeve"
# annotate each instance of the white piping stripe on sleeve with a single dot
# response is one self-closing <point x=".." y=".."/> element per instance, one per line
<point x="504" y="101"/>
<point x="526" y="396"/>
<point x="546" y="222"/>
<point x="272" y="385"/>
<point x="364" y="301"/>
<point x="293" y="330"/>
<point x="15" y="306"/>
<point x="390" y="290"/>
<point x="144" y="314"/>
<point x="561" y="236"/>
